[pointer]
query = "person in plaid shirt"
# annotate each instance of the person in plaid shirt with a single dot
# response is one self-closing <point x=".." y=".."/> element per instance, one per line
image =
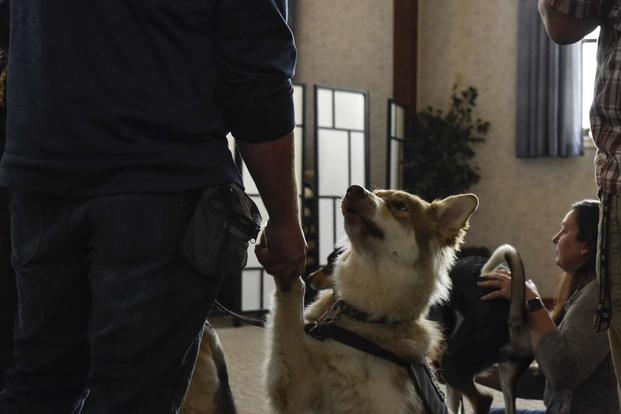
<point x="568" y="21"/>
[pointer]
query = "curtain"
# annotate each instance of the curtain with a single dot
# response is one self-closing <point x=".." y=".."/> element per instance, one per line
<point x="549" y="92"/>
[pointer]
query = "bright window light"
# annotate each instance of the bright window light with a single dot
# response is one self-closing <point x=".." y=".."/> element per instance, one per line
<point x="589" y="63"/>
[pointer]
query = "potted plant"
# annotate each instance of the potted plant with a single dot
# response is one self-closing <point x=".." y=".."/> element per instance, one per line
<point x="437" y="155"/>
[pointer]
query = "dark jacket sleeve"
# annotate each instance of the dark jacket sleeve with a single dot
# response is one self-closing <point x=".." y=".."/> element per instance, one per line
<point x="4" y="24"/>
<point x="4" y="57"/>
<point x="256" y="60"/>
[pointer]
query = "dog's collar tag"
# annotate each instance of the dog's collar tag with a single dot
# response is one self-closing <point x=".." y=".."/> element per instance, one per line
<point x="328" y="318"/>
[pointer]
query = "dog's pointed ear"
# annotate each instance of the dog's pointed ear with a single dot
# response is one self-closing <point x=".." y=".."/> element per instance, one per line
<point x="451" y="216"/>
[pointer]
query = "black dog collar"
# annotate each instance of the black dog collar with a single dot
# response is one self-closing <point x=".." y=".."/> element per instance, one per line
<point x="355" y="313"/>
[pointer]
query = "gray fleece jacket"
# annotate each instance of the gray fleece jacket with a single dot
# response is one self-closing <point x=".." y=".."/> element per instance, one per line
<point x="576" y="361"/>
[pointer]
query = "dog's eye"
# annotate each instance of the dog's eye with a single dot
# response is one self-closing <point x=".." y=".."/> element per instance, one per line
<point x="399" y="205"/>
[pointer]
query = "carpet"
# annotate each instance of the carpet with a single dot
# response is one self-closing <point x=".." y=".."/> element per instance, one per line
<point x="245" y="354"/>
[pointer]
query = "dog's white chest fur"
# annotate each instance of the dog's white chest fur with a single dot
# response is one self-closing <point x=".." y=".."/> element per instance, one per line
<point x="354" y="382"/>
<point x="306" y="375"/>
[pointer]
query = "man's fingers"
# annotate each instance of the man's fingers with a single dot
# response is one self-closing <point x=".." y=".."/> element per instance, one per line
<point x="263" y="255"/>
<point x="282" y="252"/>
<point x="286" y="270"/>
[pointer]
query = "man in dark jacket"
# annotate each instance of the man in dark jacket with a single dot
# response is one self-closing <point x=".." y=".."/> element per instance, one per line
<point x="118" y="112"/>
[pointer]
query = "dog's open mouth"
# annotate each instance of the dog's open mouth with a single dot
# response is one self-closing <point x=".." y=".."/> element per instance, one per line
<point x="347" y="211"/>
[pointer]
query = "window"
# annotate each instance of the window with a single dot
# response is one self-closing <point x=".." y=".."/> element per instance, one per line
<point x="396" y="139"/>
<point x="341" y="157"/>
<point x="589" y="63"/>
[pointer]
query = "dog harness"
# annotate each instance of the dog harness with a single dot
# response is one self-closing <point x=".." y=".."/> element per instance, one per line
<point x="423" y="379"/>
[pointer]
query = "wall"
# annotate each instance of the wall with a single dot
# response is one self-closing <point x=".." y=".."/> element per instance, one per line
<point x="348" y="44"/>
<point x="521" y="201"/>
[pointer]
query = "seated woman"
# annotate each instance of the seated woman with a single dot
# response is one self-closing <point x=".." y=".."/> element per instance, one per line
<point x="574" y="358"/>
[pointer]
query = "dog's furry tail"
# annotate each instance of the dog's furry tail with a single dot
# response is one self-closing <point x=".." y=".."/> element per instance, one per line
<point x="224" y="396"/>
<point x="209" y="391"/>
<point x="507" y="254"/>
<point x="504" y="254"/>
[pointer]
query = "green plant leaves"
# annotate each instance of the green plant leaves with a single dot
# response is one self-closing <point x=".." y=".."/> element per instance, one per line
<point x="437" y="155"/>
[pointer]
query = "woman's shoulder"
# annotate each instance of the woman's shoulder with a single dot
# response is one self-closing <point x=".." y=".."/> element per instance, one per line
<point x="581" y="307"/>
<point x="591" y="287"/>
<point x="587" y="293"/>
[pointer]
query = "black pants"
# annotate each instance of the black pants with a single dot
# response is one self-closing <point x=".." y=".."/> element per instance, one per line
<point x="8" y="293"/>
<point x="107" y="306"/>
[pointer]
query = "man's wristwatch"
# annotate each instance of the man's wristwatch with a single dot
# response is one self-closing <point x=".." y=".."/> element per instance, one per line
<point x="534" y="304"/>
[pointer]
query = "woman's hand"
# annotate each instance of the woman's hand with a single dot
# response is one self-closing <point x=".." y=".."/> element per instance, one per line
<point x="500" y="281"/>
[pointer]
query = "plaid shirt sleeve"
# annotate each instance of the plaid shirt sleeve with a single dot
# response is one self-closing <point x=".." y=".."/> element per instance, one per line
<point x="578" y="9"/>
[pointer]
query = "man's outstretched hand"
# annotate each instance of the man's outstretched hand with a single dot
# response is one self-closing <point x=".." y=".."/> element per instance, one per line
<point x="281" y="250"/>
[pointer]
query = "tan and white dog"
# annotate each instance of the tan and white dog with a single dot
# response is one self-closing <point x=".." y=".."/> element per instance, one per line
<point x="393" y="270"/>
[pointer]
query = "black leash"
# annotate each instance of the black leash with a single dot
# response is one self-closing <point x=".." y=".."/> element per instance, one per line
<point x="422" y="377"/>
<point x="250" y="321"/>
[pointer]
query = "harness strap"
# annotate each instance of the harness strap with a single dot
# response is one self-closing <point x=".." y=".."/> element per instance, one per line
<point x="420" y="374"/>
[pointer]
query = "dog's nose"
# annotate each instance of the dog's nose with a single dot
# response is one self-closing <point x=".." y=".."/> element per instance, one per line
<point x="356" y="191"/>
